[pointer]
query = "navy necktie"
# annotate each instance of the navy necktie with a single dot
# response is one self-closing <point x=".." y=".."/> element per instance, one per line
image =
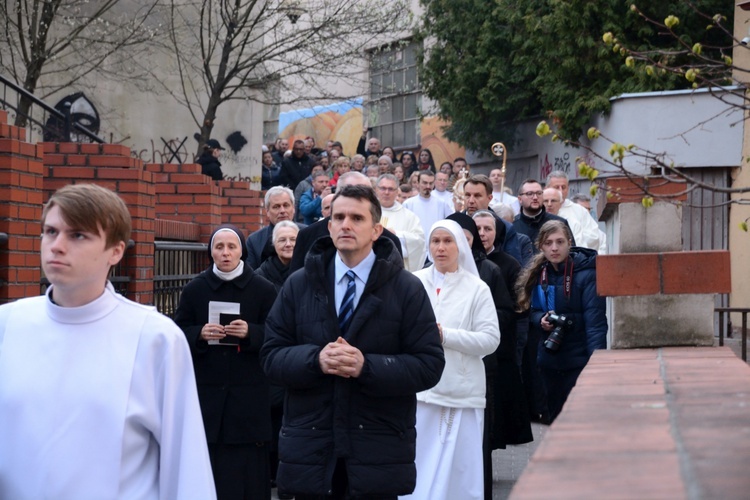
<point x="347" y="304"/>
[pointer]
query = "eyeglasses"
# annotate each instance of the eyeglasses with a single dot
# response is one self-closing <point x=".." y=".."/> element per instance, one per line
<point x="387" y="189"/>
<point x="532" y="194"/>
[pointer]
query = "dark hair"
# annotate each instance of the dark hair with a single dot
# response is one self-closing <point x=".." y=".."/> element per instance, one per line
<point x="528" y="181"/>
<point x="410" y="155"/>
<point x="460" y="158"/>
<point x="431" y="161"/>
<point x="360" y="192"/>
<point x="425" y="173"/>
<point x="481" y="179"/>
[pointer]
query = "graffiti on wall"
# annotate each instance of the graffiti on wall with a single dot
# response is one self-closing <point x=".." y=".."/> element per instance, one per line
<point x="561" y="162"/>
<point x="82" y="112"/>
<point x="169" y="151"/>
<point x="335" y="122"/>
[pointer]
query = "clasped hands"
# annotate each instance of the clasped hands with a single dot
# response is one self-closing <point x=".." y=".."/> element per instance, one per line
<point x="237" y="328"/>
<point x="342" y="359"/>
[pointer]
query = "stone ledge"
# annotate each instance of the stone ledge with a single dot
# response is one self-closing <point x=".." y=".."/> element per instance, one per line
<point x="176" y="230"/>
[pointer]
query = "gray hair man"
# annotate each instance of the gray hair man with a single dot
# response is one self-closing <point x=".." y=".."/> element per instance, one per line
<point x="279" y="204"/>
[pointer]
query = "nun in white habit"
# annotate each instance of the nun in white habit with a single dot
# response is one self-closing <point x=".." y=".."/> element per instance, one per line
<point x="450" y="415"/>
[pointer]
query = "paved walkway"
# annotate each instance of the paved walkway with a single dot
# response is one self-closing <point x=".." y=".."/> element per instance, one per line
<point x="649" y="423"/>
<point x="508" y="464"/>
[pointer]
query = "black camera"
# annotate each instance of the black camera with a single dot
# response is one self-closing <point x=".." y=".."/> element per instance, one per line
<point x="561" y="323"/>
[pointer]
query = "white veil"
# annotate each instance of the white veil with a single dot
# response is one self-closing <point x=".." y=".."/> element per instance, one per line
<point x="465" y="257"/>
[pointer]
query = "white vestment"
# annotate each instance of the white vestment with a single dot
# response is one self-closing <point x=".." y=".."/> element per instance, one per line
<point x="405" y="224"/>
<point x="429" y="211"/>
<point x="507" y="199"/>
<point x="98" y="402"/>
<point x="589" y="229"/>
<point x="446" y="196"/>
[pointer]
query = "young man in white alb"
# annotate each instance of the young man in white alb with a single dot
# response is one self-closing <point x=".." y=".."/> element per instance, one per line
<point x="97" y="393"/>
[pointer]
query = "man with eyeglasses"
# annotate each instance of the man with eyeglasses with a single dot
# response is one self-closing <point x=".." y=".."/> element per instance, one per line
<point x="401" y="222"/>
<point x="533" y="215"/>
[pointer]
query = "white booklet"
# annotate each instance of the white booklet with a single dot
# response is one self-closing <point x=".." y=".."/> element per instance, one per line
<point x="223" y="313"/>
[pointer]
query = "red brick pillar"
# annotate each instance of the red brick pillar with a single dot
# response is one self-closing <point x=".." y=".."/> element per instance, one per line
<point x="184" y="194"/>
<point x="21" y="172"/>
<point x="241" y="206"/>
<point x="110" y="166"/>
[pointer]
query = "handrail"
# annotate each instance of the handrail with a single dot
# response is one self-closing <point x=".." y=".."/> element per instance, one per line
<point x="742" y="310"/>
<point x="61" y="116"/>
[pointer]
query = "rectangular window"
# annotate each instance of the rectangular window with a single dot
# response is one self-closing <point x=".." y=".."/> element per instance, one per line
<point x="395" y="95"/>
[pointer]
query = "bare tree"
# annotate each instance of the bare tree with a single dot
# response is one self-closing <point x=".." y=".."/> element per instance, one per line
<point x="706" y="66"/>
<point x="274" y="51"/>
<point x="49" y="45"/>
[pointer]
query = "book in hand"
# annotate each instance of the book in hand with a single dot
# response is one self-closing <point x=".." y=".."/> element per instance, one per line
<point x="224" y="320"/>
<point x="223" y="313"/>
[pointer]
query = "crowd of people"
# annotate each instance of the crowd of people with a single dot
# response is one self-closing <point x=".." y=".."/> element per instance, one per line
<point x="391" y="325"/>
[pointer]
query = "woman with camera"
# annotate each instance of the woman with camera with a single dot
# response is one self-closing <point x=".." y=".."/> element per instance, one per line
<point x="559" y="285"/>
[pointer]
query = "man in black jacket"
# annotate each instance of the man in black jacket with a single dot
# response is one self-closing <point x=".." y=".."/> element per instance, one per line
<point x="533" y="215"/>
<point x="352" y="338"/>
<point x="295" y="168"/>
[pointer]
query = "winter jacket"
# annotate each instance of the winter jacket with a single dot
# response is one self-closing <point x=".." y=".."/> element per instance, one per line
<point x="368" y="421"/>
<point x="232" y="388"/>
<point x="582" y="305"/>
<point x="294" y="170"/>
<point x="467" y="315"/>
<point x="269" y="176"/>
<point x="210" y="166"/>
<point x="274" y="271"/>
<point x="310" y="206"/>
<point x="530" y="226"/>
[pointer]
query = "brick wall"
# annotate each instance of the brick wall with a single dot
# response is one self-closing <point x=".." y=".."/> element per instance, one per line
<point x="110" y="166"/>
<point x="165" y="200"/>
<point x="21" y="173"/>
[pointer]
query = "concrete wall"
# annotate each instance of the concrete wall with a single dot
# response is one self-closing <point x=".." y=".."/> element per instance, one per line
<point x="657" y="121"/>
<point x="739" y="241"/>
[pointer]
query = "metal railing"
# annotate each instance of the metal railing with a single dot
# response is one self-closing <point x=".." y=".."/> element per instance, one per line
<point x="57" y="123"/>
<point x="175" y="264"/>
<point x="726" y="311"/>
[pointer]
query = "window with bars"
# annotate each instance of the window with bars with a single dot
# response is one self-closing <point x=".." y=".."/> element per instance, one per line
<point x="395" y="95"/>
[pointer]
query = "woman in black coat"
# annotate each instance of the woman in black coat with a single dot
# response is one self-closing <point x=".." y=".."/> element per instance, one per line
<point x="232" y="388"/>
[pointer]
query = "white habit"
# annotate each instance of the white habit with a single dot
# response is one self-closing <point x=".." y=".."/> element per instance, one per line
<point x="450" y="416"/>
<point x="98" y="402"/>
<point x="405" y="224"/>
<point x="589" y="236"/>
